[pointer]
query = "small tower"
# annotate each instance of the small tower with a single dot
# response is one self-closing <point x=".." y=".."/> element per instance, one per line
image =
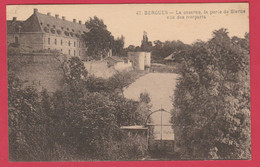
<point x="145" y="38"/>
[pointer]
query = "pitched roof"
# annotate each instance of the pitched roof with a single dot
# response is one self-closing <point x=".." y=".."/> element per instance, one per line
<point x="170" y="57"/>
<point x="39" y="22"/>
<point x="60" y="24"/>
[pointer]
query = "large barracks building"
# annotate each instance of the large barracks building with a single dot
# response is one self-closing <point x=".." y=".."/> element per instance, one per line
<point x="46" y="32"/>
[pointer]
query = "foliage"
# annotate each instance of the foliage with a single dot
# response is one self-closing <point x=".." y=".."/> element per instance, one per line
<point x="115" y="84"/>
<point x="163" y="49"/>
<point x="31" y="122"/>
<point x="128" y="148"/>
<point x="211" y="113"/>
<point x="118" y="46"/>
<point x="93" y="120"/>
<point x="144" y="108"/>
<point x="98" y="40"/>
<point x="130" y="48"/>
<point x="120" y="81"/>
<point x="73" y="123"/>
<point x="146" y="45"/>
<point x="74" y="74"/>
<point x="128" y="112"/>
<point x="160" y="50"/>
<point x="98" y="85"/>
<point x="145" y="97"/>
<point x="75" y="71"/>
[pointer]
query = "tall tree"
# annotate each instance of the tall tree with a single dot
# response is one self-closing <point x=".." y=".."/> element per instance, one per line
<point x="118" y="46"/>
<point x="161" y="50"/>
<point x="98" y="40"/>
<point x="211" y="113"/>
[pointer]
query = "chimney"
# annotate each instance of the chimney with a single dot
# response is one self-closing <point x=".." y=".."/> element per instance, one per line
<point x="14" y="18"/>
<point x="63" y="18"/>
<point x="35" y="10"/>
<point x="80" y="21"/>
<point x="49" y="14"/>
<point x="57" y="16"/>
<point x="74" y="20"/>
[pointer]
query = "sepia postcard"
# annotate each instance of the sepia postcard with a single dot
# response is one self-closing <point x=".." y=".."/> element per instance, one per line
<point x="128" y="82"/>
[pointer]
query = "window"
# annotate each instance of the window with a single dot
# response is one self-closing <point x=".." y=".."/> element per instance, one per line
<point x="69" y="52"/>
<point x="74" y="52"/>
<point x="55" y="41"/>
<point x="74" y="44"/>
<point x="69" y="43"/>
<point x="61" y="42"/>
<point x="54" y="26"/>
<point x="48" y="25"/>
<point x="68" y="29"/>
<point x="16" y="40"/>
<point x="49" y="40"/>
<point x="79" y="52"/>
<point x="62" y="28"/>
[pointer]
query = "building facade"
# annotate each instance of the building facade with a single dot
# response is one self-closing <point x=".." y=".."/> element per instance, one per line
<point x="46" y="32"/>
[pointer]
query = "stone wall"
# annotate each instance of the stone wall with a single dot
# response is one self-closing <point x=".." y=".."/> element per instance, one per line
<point x="38" y="70"/>
<point x="99" y="69"/>
<point x="30" y="40"/>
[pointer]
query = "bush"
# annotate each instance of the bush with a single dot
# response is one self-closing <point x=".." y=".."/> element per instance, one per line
<point x="211" y="113"/>
<point x="129" y="148"/>
<point x="72" y="123"/>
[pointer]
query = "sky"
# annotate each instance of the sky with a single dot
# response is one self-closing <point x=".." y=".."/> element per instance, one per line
<point x="131" y="20"/>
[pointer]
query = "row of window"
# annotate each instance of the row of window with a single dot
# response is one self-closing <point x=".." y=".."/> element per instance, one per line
<point x="61" y="42"/>
<point x="61" y="28"/>
<point x="74" y="53"/>
<point x="69" y="52"/>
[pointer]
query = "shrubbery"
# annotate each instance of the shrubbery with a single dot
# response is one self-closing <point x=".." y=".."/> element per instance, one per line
<point x="79" y="122"/>
<point x="211" y="113"/>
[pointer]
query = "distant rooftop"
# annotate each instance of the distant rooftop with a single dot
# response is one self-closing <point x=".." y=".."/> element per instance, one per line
<point x="47" y="23"/>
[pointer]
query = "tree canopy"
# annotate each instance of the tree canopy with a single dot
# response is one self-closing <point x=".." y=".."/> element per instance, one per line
<point x="211" y="113"/>
<point x="81" y="121"/>
<point x="99" y="40"/>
